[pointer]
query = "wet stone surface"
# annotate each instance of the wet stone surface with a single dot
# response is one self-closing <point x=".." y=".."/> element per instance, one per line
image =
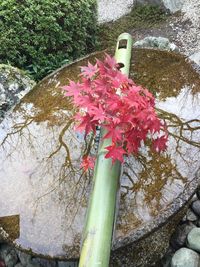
<point x="45" y="190"/>
<point x="14" y="84"/>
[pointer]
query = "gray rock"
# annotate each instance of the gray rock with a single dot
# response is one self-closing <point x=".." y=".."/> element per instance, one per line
<point x="33" y="264"/>
<point x="198" y="193"/>
<point x="19" y="265"/>
<point x="14" y="84"/>
<point x="9" y="255"/>
<point x="196" y="207"/>
<point x="196" y="58"/>
<point x="156" y="42"/>
<point x="191" y="216"/>
<point x="24" y="257"/>
<point x="166" y="260"/>
<point x="178" y="239"/>
<point x="113" y="9"/>
<point x="198" y="223"/>
<point x="67" y="264"/>
<point x="185" y="257"/>
<point x="173" y="5"/>
<point x="193" y="239"/>
<point x="184" y="219"/>
<point x="44" y="262"/>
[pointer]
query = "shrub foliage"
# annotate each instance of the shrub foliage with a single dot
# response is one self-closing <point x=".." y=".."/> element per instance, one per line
<point x="39" y="35"/>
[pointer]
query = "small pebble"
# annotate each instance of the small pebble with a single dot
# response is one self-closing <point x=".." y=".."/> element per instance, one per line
<point x="9" y="255"/>
<point x="193" y="239"/>
<point x="185" y="257"/>
<point x="191" y="216"/>
<point x="19" y="265"/>
<point x="178" y="238"/>
<point x="24" y="257"/>
<point x="44" y="262"/>
<point x="196" y="207"/>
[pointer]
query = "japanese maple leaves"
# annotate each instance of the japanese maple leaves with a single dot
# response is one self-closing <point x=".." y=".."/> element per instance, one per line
<point x="108" y="98"/>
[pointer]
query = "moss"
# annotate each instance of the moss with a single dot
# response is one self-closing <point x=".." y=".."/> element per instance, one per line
<point x="141" y="16"/>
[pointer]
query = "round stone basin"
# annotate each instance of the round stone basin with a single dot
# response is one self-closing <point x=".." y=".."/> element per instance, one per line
<point x="44" y="192"/>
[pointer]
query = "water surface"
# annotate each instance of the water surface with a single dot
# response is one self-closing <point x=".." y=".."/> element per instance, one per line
<point x="40" y="176"/>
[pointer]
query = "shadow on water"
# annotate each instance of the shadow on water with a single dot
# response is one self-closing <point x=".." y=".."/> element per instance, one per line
<point x="40" y="156"/>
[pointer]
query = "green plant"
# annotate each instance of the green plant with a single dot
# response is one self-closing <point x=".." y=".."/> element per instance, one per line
<point x="40" y="35"/>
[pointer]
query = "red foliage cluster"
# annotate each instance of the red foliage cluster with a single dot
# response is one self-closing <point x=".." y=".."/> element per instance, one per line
<point x="108" y="98"/>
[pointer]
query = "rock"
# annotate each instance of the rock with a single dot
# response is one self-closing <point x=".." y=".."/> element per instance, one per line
<point x="184" y="219"/>
<point x="14" y="84"/>
<point x="193" y="239"/>
<point x="33" y="264"/>
<point x="112" y="10"/>
<point x="191" y="216"/>
<point x="24" y="257"/>
<point x="198" y="193"/>
<point x="173" y="5"/>
<point x="67" y="264"/>
<point x="19" y="265"/>
<point x="44" y="262"/>
<point x="166" y="260"/>
<point x="185" y="257"/>
<point x="196" y="207"/>
<point x="179" y="237"/>
<point x="156" y="42"/>
<point x="196" y="58"/>
<point x="9" y="255"/>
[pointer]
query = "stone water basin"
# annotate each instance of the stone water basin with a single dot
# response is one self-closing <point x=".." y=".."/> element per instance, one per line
<point x="44" y="192"/>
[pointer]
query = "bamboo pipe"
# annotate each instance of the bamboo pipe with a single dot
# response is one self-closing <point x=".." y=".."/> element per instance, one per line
<point x="98" y="230"/>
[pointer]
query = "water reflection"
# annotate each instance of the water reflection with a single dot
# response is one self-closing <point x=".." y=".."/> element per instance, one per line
<point x="11" y="224"/>
<point x="40" y="154"/>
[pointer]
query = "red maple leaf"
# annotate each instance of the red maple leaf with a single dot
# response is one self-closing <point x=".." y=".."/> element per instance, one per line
<point x="113" y="132"/>
<point x="87" y="162"/>
<point x="160" y="143"/>
<point x="115" y="153"/>
<point x="107" y="98"/>
<point x="86" y="123"/>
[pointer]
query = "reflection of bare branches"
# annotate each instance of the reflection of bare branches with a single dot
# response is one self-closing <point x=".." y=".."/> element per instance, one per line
<point x="63" y="144"/>
<point x="20" y="127"/>
<point x="174" y="121"/>
<point x="149" y="173"/>
<point x="156" y="171"/>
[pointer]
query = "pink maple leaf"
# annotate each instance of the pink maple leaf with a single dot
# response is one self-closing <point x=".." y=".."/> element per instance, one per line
<point x="89" y="71"/>
<point x="97" y="113"/>
<point x="73" y="89"/>
<point x="110" y="61"/>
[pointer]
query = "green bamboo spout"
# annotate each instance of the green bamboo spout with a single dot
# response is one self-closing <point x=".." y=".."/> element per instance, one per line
<point x="98" y="231"/>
